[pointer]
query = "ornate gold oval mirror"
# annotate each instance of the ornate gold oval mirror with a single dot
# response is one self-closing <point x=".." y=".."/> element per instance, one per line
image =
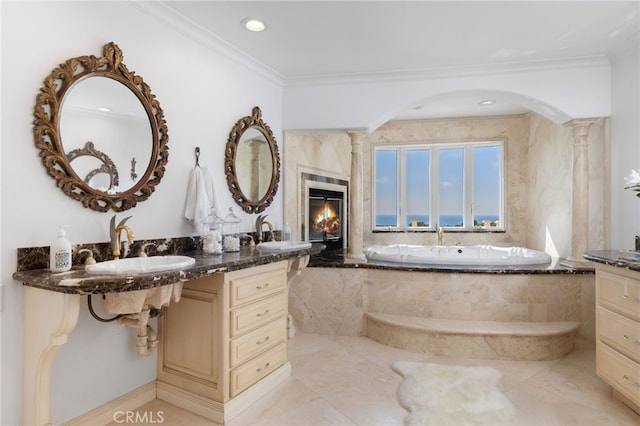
<point x="94" y="120"/>
<point x="252" y="163"/>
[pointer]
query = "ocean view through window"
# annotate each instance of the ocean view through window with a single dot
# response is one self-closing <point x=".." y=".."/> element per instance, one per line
<point x="424" y="186"/>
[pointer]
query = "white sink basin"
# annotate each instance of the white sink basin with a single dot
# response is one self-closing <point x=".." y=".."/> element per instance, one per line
<point x="284" y="245"/>
<point x="140" y="265"/>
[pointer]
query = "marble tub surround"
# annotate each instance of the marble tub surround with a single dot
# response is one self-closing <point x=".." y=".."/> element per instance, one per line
<point x="335" y="297"/>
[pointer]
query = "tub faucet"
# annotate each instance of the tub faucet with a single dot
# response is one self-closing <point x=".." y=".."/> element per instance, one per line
<point x="260" y="222"/>
<point x="115" y="232"/>
<point x="440" y="235"/>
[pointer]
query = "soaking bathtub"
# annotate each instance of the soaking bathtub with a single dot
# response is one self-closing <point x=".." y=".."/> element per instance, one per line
<point x="479" y="255"/>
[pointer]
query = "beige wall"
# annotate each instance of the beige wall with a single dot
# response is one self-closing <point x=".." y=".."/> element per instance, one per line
<point x="538" y="176"/>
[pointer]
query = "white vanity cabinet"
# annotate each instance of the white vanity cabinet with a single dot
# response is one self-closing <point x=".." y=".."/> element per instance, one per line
<point x="224" y="345"/>
<point x="618" y="331"/>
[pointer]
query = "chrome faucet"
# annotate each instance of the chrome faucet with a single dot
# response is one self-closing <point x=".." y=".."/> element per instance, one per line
<point x="440" y="235"/>
<point x="260" y="222"/>
<point x="115" y="231"/>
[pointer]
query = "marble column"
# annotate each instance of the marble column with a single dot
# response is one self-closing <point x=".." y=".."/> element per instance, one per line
<point x="354" y="243"/>
<point x="580" y="194"/>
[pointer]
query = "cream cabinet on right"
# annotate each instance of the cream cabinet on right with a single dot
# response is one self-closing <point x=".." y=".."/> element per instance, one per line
<point x="618" y="331"/>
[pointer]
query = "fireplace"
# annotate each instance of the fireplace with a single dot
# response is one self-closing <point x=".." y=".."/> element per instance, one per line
<point x="325" y="211"/>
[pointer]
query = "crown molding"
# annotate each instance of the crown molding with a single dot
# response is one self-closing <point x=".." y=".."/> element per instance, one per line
<point x="452" y="72"/>
<point x="168" y="16"/>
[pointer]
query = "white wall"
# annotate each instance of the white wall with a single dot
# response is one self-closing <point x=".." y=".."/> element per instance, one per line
<point x="203" y="93"/>
<point x="625" y="142"/>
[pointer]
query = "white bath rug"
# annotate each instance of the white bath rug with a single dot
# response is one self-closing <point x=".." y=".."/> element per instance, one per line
<point x="444" y="395"/>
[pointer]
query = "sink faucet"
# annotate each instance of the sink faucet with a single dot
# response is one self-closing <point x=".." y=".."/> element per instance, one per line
<point x="440" y="235"/>
<point x="115" y="235"/>
<point x="260" y="222"/>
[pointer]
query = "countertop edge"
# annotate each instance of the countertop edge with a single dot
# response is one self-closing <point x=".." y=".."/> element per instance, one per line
<point x="78" y="281"/>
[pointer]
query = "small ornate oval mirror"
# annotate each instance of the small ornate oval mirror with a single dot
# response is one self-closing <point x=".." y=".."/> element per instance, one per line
<point x="94" y="121"/>
<point x="252" y="163"/>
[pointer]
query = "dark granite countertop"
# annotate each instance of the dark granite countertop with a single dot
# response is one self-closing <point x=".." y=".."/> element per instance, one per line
<point x="337" y="259"/>
<point x="619" y="258"/>
<point x="77" y="281"/>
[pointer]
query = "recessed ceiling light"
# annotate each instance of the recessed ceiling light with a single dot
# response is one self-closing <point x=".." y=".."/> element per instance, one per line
<point x="104" y="109"/>
<point x="487" y="102"/>
<point x="254" y="25"/>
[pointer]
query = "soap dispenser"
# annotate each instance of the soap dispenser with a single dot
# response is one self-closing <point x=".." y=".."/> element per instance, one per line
<point x="60" y="253"/>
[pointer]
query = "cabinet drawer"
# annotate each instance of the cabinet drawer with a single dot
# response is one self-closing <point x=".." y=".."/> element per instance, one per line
<point x="255" y="342"/>
<point x="619" y="293"/>
<point x="620" y="333"/>
<point x="254" y="370"/>
<point x="619" y="371"/>
<point x="245" y="289"/>
<point x="257" y="314"/>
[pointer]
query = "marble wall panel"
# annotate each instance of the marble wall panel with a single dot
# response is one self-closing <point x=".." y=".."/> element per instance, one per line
<point x="538" y="177"/>
<point x="513" y="130"/>
<point x="321" y="154"/>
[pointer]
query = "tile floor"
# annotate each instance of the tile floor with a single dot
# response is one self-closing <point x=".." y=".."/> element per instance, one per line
<point x="348" y="381"/>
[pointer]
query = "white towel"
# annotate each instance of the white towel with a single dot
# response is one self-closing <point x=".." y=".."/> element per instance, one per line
<point x="197" y="205"/>
<point x="210" y="189"/>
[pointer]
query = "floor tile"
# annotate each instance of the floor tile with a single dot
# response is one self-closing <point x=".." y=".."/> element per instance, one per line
<point x="349" y="381"/>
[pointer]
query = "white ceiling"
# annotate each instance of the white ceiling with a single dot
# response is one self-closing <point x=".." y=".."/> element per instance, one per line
<point x="310" y="40"/>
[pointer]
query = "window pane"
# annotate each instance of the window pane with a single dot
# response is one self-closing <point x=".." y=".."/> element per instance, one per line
<point x="417" y="193"/>
<point x="386" y="210"/>
<point x="486" y="185"/>
<point x="451" y="187"/>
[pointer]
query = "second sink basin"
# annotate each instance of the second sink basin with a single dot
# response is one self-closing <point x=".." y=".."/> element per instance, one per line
<point x="284" y="245"/>
<point x="140" y="265"/>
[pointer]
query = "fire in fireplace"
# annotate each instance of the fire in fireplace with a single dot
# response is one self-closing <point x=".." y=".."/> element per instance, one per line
<point x="325" y="221"/>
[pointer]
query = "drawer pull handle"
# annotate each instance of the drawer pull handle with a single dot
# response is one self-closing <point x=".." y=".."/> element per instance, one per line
<point x="627" y="297"/>
<point x="629" y="379"/>
<point x="261" y="314"/>
<point x="629" y="339"/>
<point x="265" y="340"/>
<point x="261" y="287"/>
<point x="259" y="369"/>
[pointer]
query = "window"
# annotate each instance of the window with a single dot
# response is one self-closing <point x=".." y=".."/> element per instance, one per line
<point x="454" y="185"/>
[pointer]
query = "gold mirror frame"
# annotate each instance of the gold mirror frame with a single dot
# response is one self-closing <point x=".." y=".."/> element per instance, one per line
<point x="253" y="121"/>
<point x="46" y="130"/>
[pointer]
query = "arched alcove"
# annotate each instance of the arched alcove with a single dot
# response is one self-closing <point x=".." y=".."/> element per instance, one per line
<point x="471" y="103"/>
